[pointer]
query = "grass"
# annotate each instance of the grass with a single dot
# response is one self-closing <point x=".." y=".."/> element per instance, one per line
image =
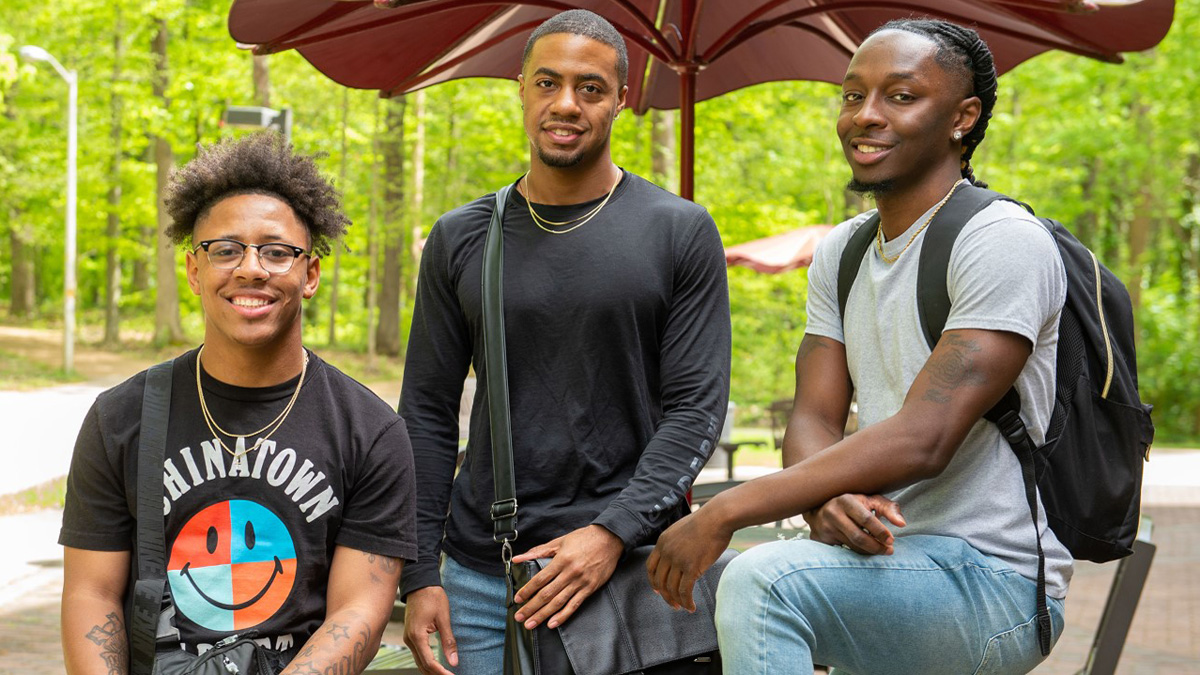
<point x="22" y="374"/>
<point x="48" y="495"/>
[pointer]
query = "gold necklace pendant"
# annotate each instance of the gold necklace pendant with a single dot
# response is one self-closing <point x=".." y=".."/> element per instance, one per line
<point x="273" y="425"/>
<point x="879" y="232"/>
<point x="581" y="220"/>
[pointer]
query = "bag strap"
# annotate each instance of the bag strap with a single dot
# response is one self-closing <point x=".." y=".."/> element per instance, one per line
<point x="504" y="508"/>
<point x="933" y="307"/>
<point x="151" y="543"/>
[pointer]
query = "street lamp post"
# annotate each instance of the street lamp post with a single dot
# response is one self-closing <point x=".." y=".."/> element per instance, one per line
<point x="38" y="54"/>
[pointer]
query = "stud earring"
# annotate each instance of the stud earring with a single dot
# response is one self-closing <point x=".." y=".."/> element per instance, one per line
<point x="957" y="135"/>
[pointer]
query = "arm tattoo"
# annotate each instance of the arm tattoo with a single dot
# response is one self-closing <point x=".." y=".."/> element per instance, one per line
<point x="809" y="345"/>
<point x="388" y="565"/>
<point x="111" y="638"/>
<point x="953" y="368"/>
<point x="355" y="661"/>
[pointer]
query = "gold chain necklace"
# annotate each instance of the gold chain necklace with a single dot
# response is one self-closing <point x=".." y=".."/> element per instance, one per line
<point x="273" y="425"/>
<point x="879" y="233"/>
<point x="542" y="222"/>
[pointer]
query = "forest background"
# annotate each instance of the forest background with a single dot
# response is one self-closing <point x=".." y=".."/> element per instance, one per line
<point x="1111" y="150"/>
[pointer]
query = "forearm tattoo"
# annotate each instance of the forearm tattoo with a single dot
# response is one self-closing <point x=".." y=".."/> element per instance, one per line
<point x="114" y="648"/>
<point x="347" y="662"/>
<point x="953" y="367"/>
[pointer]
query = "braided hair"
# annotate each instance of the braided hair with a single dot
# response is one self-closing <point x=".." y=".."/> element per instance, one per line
<point x="961" y="50"/>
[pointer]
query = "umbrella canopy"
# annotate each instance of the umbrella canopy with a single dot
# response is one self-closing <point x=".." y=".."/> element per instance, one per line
<point x="680" y="51"/>
<point x="780" y="253"/>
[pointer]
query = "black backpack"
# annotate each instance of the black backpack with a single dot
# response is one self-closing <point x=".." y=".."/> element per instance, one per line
<point x="1089" y="470"/>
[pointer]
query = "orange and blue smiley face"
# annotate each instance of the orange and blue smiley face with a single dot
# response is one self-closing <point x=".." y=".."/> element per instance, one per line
<point x="232" y="566"/>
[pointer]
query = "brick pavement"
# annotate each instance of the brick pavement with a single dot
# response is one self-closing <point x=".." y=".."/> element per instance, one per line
<point x="1164" y="638"/>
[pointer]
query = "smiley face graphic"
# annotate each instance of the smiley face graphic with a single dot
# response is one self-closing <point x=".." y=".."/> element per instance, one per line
<point x="232" y="566"/>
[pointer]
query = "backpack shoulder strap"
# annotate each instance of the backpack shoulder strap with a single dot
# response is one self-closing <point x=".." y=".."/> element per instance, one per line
<point x="933" y="297"/>
<point x="851" y="260"/>
<point x="150" y="553"/>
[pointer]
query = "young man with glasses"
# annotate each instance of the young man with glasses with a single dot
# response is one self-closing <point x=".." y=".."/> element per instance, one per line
<point x="288" y="490"/>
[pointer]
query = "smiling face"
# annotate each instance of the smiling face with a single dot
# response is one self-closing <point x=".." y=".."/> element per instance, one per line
<point x="570" y="94"/>
<point x="900" y="108"/>
<point x="247" y="306"/>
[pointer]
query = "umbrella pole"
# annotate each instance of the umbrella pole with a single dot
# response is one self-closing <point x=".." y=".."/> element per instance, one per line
<point x="687" y="122"/>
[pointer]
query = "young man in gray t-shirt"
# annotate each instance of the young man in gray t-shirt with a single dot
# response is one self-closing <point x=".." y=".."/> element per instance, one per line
<point x="922" y="556"/>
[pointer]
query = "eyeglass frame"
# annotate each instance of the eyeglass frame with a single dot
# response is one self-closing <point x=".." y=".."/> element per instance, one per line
<point x="296" y="253"/>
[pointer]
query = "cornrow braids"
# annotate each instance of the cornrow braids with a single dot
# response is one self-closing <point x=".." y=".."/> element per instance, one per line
<point x="960" y="49"/>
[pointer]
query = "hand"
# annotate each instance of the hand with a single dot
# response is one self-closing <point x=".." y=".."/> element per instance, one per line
<point x="427" y="611"/>
<point x="683" y="552"/>
<point x="583" y="561"/>
<point x="855" y="521"/>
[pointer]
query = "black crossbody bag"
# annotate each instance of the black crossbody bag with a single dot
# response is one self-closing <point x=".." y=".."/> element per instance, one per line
<point x="624" y="627"/>
<point x="148" y="625"/>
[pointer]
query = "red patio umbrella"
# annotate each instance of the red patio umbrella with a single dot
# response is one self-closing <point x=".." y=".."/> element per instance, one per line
<point x="780" y="253"/>
<point x="680" y="51"/>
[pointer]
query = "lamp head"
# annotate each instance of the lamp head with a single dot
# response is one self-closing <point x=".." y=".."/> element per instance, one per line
<point x="35" y="53"/>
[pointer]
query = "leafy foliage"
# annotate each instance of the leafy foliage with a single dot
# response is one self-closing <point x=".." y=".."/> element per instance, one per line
<point x="1108" y="149"/>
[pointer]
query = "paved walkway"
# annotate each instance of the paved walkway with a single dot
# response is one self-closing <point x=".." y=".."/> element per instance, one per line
<point x="1164" y="639"/>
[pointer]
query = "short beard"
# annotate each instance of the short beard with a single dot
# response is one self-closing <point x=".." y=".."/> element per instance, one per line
<point x="559" y="161"/>
<point x="873" y="189"/>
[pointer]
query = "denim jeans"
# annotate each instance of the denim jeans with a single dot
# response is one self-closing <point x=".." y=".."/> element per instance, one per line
<point x="936" y="606"/>
<point x="477" y="617"/>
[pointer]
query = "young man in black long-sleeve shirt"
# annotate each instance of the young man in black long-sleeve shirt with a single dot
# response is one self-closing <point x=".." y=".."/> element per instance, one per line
<point x="618" y="337"/>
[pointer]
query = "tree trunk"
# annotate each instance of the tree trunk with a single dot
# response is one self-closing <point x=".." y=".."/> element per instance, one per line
<point x="337" y="246"/>
<point x="1143" y="212"/>
<point x="23" y="253"/>
<point x="373" y="244"/>
<point x="112" y="276"/>
<point x="262" y="81"/>
<point x="392" y="290"/>
<point x="167" y="325"/>
<point x="140" y="283"/>
<point x="662" y="150"/>
<point x="23" y="281"/>
<point x="1088" y="228"/>
<point x="418" y="193"/>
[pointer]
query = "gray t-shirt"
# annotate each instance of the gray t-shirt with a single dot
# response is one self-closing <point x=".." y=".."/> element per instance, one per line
<point x="1005" y="274"/>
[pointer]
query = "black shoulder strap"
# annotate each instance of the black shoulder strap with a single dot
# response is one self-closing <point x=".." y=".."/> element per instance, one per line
<point x="151" y="544"/>
<point x="852" y="257"/>
<point x="933" y="298"/>
<point x="504" y="509"/>
<point x="933" y="307"/>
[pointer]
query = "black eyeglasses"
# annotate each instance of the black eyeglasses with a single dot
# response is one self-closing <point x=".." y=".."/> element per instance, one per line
<point x="227" y="254"/>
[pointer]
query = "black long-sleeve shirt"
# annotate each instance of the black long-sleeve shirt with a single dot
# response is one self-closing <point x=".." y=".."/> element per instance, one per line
<point x="618" y="341"/>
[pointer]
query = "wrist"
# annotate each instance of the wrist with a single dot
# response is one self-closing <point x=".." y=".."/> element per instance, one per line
<point x="719" y="515"/>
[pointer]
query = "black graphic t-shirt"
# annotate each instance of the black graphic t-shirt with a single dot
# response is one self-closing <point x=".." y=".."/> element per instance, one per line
<point x="250" y="537"/>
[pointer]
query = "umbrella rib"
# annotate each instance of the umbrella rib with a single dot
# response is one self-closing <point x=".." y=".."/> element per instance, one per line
<point x="642" y="41"/>
<point x="333" y="13"/>
<point x="1078" y="46"/>
<point x="408" y="83"/>
<point x="741" y="25"/>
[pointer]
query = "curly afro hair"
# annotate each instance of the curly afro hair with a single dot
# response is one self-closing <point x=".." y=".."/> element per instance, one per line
<point x="260" y="163"/>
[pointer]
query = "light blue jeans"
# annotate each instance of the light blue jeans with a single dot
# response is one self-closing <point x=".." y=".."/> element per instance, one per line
<point x="477" y="616"/>
<point x="936" y="606"/>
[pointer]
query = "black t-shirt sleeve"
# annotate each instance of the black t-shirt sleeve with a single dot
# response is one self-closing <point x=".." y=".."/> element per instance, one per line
<point x="436" y="364"/>
<point x="380" y="512"/>
<point x="695" y="363"/>
<point x="96" y="515"/>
